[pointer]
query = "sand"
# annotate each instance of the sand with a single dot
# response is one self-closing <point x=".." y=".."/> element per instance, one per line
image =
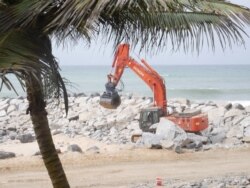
<point x="118" y="166"/>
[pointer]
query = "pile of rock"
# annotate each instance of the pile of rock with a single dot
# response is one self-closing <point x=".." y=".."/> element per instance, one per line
<point x="229" y="124"/>
<point x="227" y="181"/>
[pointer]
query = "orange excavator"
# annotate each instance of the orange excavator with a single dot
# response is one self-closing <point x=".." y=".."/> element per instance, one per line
<point x="189" y="121"/>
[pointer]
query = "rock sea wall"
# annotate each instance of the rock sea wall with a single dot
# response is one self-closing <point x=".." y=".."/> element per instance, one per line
<point x="229" y="124"/>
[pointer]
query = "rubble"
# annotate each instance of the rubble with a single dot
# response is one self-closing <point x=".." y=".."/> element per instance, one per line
<point x="229" y="125"/>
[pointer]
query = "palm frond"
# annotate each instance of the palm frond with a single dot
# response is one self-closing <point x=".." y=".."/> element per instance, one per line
<point x="186" y="23"/>
<point x="73" y="19"/>
<point x="29" y="53"/>
<point x="187" y="29"/>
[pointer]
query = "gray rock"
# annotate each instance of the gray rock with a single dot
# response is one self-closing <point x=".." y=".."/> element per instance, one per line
<point x="81" y="95"/>
<point x="246" y="139"/>
<point x="237" y="120"/>
<point x="207" y="108"/>
<point x="25" y="138"/>
<point x="228" y="106"/>
<point x="85" y="116"/>
<point x="74" y="148"/>
<point x="247" y="131"/>
<point x="182" y="101"/>
<point x="2" y="132"/>
<point x="11" y="108"/>
<point x="234" y="112"/>
<point x="12" y="135"/>
<point x="94" y="94"/>
<point x="247" y="108"/>
<point x="238" y="106"/>
<point x="6" y="155"/>
<point x="134" y="125"/>
<point x="191" y="145"/>
<point x="16" y="101"/>
<point x="3" y="113"/>
<point x="73" y="118"/>
<point x="245" y="122"/>
<point x="4" y="118"/>
<point x="194" y="105"/>
<point x="181" y="140"/>
<point x="235" y="131"/>
<point x="4" y="107"/>
<point x="178" y="149"/>
<point x="168" y="130"/>
<point x="113" y="131"/>
<point x="232" y="142"/>
<point x="167" y="144"/>
<point x="216" y="115"/>
<point x="23" y="107"/>
<point x="151" y="140"/>
<point x="197" y="138"/>
<point x="217" y="138"/>
<point x="11" y="127"/>
<point x="55" y="132"/>
<point x="4" y="102"/>
<point x="93" y="150"/>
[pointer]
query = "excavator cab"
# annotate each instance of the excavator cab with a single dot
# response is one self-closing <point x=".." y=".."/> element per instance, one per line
<point x="148" y="117"/>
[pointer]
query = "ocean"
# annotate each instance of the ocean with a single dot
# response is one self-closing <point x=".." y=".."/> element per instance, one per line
<point x="198" y="82"/>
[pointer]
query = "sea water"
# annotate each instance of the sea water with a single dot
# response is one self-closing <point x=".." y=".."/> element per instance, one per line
<point x="208" y="82"/>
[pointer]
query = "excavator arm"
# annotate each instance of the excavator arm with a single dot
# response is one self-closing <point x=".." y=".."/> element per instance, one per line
<point x="143" y="70"/>
<point x="189" y="121"/>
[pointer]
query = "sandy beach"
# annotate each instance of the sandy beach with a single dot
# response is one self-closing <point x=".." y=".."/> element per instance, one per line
<point x="123" y="167"/>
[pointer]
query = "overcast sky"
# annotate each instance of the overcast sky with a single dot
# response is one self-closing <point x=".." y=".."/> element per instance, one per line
<point x="98" y="54"/>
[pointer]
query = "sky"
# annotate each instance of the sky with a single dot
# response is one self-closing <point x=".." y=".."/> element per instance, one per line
<point x="100" y="54"/>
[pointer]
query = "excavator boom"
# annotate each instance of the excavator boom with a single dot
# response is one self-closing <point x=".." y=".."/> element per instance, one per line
<point x="192" y="122"/>
<point x="155" y="82"/>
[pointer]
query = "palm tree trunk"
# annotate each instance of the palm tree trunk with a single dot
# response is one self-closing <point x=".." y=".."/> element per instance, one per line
<point x="43" y="135"/>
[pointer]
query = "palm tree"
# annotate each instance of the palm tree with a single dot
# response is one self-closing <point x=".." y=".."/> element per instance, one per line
<point x="27" y="27"/>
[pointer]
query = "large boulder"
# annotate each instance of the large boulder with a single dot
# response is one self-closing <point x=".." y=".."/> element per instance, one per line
<point x="216" y="115"/>
<point x="3" y="113"/>
<point x="170" y="132"/>
<point x="247" y="108"/>
<point x="151" y="140"/>
<point x="85" y="116"/>
<point x="74" y="148"/>
<point x="168" y="129"/>
<point x="4" y="102"/>
<point x="234" y="112"/>
<point x="25" y="138"/>
<point x="4" y="107"/>
<point x="11" y="108"/>
<point x="6" y="155"/>
<point x="236" y="131"/>
<point x="245" y="122"/>
<point x="93" y="150"/>
<point x="16" y="101"/>
<point x="218" y="135"/>
<point x="238" y="106"/>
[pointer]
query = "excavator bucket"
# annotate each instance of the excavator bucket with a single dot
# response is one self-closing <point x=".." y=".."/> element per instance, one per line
<point x="110" y="101"/>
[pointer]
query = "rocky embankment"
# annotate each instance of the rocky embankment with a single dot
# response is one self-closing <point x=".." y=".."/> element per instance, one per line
<point x="222" y="182"/>
<point x="229" y="124"/>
